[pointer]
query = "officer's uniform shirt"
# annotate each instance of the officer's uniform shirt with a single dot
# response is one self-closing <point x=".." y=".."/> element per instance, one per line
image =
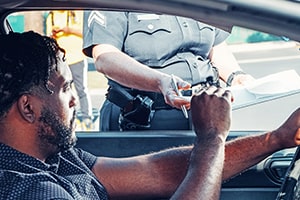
<point x="158" y="41"/>
<point x="172" y="44"/>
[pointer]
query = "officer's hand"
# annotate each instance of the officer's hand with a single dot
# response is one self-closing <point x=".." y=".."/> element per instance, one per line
<point x="242" y="79"/>
<point x="211" y="112"/>
<point x="170" y="94"/>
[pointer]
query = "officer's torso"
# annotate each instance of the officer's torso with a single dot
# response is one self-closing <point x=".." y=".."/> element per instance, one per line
<point x="153" y="39"/>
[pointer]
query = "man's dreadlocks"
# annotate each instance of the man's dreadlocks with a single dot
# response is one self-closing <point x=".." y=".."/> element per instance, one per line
<point x="26" y="61"/>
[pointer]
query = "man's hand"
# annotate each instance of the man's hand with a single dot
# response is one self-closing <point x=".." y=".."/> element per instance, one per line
<point x="288" y="133"/>
<point x="211" y="112"/>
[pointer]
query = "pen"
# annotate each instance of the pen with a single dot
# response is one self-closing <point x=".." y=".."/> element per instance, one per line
<point x="183" y="108"/>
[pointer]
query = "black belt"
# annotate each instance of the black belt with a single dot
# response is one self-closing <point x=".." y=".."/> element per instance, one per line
<point x="123" y="96"/>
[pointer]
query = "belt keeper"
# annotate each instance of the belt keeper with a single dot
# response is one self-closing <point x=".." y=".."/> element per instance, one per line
<point x="231" y="77"/>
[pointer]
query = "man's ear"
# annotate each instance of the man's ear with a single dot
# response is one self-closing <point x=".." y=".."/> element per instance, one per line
<point x="25" y="107"/>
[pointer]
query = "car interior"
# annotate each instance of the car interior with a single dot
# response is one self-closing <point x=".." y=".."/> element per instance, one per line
<point x="264" y="39"/>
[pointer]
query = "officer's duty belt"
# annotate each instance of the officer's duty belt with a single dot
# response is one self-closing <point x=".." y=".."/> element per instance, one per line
<point x="123" y="96"/>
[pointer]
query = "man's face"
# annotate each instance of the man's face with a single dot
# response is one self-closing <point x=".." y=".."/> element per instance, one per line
<point x="57" y="118"/>
<point x="55" y="132"/>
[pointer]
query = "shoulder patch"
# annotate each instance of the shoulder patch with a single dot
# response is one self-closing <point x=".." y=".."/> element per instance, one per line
<point x="97" y="17"/>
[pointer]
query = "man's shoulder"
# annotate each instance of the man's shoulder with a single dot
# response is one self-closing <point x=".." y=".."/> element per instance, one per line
<point x="79" y="157"/>
<point x="16" y="185"/>
<point x="19" y="185"/>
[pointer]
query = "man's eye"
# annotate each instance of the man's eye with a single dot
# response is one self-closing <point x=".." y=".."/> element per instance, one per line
<point x="67" y="87"/>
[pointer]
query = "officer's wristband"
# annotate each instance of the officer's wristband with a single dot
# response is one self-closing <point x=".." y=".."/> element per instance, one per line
<point x="231" y="77"/>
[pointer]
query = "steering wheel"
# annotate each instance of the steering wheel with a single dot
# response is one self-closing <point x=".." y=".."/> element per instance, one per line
<point x="290" y="188"/>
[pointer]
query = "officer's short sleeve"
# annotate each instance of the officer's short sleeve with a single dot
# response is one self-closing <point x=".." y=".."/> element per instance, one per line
<point x="220" y="36"/>
<point x="103" y="27"/>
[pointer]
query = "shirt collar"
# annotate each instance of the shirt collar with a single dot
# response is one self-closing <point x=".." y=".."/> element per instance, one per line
<point x="11" y="156"/>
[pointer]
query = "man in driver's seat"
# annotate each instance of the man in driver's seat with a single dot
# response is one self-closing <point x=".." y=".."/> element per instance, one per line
<point x="38" y="159"/>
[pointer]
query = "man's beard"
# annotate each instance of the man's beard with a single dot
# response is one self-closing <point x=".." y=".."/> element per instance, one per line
<point x="54" y="132"/>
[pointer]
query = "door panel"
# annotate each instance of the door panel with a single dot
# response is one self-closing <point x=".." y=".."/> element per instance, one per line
<point x="261" y="181"/>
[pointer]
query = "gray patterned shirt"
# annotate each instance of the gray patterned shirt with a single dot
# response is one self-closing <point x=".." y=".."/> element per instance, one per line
<point x="66" y="175"/>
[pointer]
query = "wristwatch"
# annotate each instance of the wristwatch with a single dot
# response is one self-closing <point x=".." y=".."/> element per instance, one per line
<point x="231" y="77"/>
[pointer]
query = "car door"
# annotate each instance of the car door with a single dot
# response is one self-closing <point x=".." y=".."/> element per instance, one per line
<point x="260" y="58"/>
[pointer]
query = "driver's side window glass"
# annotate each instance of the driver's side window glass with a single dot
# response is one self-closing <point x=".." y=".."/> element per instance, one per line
<point x="259" y="54"/>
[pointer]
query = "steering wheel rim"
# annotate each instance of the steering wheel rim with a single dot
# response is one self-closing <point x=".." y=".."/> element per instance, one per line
<point x="290" y="188"/>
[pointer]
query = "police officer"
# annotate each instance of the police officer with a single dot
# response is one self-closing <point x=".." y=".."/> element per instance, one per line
<point x="138" y="52"/>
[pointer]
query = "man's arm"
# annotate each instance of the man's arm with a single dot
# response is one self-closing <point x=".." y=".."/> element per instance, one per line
<point x="245" y="152"/>
<point x="204" y="174"/>
<point x="195" y="171"/>
<point x="159" y="174"/>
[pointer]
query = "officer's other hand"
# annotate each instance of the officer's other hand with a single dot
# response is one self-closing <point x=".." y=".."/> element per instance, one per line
<point x="242" y="79"/>
<point x="211" y="112"/>
<point x="170" y="95"/>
